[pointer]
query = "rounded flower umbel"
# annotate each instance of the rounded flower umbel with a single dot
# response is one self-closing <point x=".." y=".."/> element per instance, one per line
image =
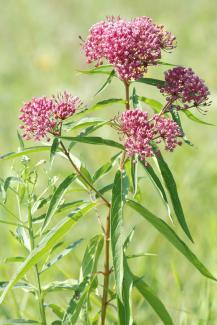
<point x="141" y="133"/>
<point x="44" y="116"/>
<point x="184" y="86"/>
<point x="131" y="46"/>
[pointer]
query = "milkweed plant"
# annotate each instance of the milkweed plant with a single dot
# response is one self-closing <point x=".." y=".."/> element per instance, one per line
<point x="123" y="50"/>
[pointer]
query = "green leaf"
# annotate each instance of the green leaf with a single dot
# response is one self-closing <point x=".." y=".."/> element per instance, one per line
<point x="91" y="256"/>
<point x="194" y="118"/>
<point x="56" y="310"/>
<point x="53" y="149"/>
<point x="151" y="81"/>
<point x="157" y="183"/>
<point x="102" y="69"/>
<point x="84" y="122"/>
<point x="46" y="244"/>
<point x="135" y="98"/>
<point x="152" y="299"/>
<point x="100" y="105"/>
<point x="94" y="140"/>
<point x="19" y="321"/>
<point x="57" y="198"/>
<point x="171" y="236"/>
<point x="69" y="284"/>
<point x="125" y="306"/>
<point x="70" y="205"/>
<point x="77" y="301"/>
<point x="105" y="189"/>
<point x="106" y="83"/>
<point x="13" y="259"/>
<point x="20" y="139"/>
<point x="172" y="189"/>
<point x="154" y="104"/>
<point x="131" y="170"/>
<point x="168" y="64"/>
<point x="119" y="192"/>
<point x="106" y="168"/>
<point x="25" y="152"/>
<point x="59" y="256"/>
<point x="176" y="118"/>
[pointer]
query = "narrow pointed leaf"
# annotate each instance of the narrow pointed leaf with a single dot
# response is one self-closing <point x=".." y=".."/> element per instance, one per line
<point x="152" y="300"/>
<point x="172" y="190"/>
<point x="194" y="118"/>
<point x="46" y="244"/>
<point x="171" y="236"/>
<point x="57" y="198"/>
<point x="94" y="140"/>
<point x="151" y="81"/>
<point x="25" y="152"/>
<point x="119" y="192"/>
<point x="53" y="149"/>
<point x="106" y="83"/>
<point x="157" y="183"/>
<point x="59" y="256"/>
<point x="176" y="118"/>
<point x="102" y="69"/>
<point x="154" y="104"/>
<point x="106" y="168"/>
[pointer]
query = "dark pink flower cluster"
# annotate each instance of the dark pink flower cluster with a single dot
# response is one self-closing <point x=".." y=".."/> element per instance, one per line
<point x="140" y="132"/>
<point x="128" y="45"/>
<point x="41" y="116"/>
<point x="184" y="85"/>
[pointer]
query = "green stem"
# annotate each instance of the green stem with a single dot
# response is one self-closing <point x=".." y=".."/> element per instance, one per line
<point x="32" y="243"/>
<point x="127" y="94"/>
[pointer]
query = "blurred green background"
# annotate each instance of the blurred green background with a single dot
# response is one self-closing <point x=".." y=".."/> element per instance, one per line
<point x="39" y="55"/>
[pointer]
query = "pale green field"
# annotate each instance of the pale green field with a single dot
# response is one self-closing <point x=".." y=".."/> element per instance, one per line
<point x="39" y="54"/>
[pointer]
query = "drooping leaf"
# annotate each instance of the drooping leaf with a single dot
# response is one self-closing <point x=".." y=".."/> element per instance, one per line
<point x="171" y="236"/>
<point x="53" y="149"/>
<point x="91" y="257"/>
<point x="172" y="190"/>
<point x="106" y="83"/>
<point x="131" y="170"/>
<point x="70" y="205"/>
<point x="102" y="69"/>
<point x="119" y="192"/>
<point x="176" y="118"/>
<point x="166" y="63"/>
<point x="106" y="168"/>
<point x="95" y="141"/>
<point x="59" y="256"/>
<point x="152" y="300"/>
<point x="194" y="118"/>
<point x="69" y="284"/>
<point x="57" y="198"/>
<point x="84" y="123"/>
<point x="105" y="189"/>
<point x="157" y="183"/>
<point x="20" y="139"/>
<point x="57" y="310"/>
<point x="20" y="321"/>
<point x="46" y="244"/>
<point x="151" y="81"/>
<point x="100" y="105"/>
<point x="27" y="151"/>
<point x="154" y="104"/>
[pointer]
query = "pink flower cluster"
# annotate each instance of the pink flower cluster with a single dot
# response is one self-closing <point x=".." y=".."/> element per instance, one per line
<point x="41" y="116"/>
<point x="140" y="132"/>
<point x="184" y="85"/>
<point x="128" y="45"/>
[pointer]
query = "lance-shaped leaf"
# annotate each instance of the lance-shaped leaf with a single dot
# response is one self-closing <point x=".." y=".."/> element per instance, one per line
<point x="106" y="83"/>
<point x="131" y="170"/>
<point x="84" y="123"/>
<point x="157" y="183"/>
<point x="53" y="149"/>
<point x="57" y="310"/>
<point x="119" y="193"/>
<point x="57" y="198"/>
<point x="176" y="118"/>
<point x="76" y="303"/>
<point x="94" y="140"/>
<point x="151" y="81"/>
<point x="46" y="244"/>
<point x="194" y="118"/>
<point x="171" y="236"/>
<point x="27" y="151"/>
<point x="100" y="105"/>
<point x="152" y="300"/>
<point x="102" y="69"/>
<point x="59" y="256"/>
<point x="167" y="64"/>
<point x="20" y="321"/>
<point x="172" y="190"/>
<point x="154" y="104"/>
<point x="91" y="256"/>
<point x="106" y="168"/>
<point x="69" y="284"/>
